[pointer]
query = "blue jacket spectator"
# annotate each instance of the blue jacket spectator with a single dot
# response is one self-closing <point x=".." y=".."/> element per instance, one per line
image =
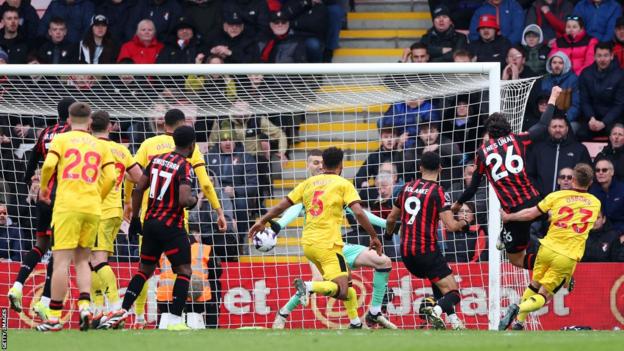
<point x="10" y="237"/>
<point x="77" y="15"/>
<point x="118" y="14"/>
<point x="510" y="19"/>
<point x="405" y="116"/>
<point x="29" y="20"/>
<point x="560" y="74"/>
<point x="610" y="192"/>
<point x="164" y="14"/>
<point x="599" y="17"/>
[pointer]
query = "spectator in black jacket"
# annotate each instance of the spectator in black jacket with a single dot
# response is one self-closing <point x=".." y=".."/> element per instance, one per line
<point x="610" y="192"/>
<point x="183" y="46"/>
<point x="442" y="39"/>
<point x="461" y="11"/>
<point x="599" y="242"/>
<point x="462" y="126"/>
<point x="559" y="150"/>
<point x="29" y="20"/>
<point x="254" y="15"/>
<point x="280" y="46"/>
<point x="12" y="37"/>
<point x="118" y="13"/>
<point x="617" y="250"/>
<point x="389" y="151"/>
<point x="56" y="49"/>
<point x="236" y="42"/>
<point x="602" y="94"/>
<point x="308" y="20"/>
<point x="164" y="14"/>
<point x="467" y="245"/>
<point x="490" y="47"/>
<point x="98" y="45"/>
<point x="614" y="151"/>
<point x="416" y="53"/>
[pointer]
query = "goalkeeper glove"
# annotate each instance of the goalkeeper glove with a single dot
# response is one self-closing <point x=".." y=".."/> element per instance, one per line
<point x="135" y="228"/>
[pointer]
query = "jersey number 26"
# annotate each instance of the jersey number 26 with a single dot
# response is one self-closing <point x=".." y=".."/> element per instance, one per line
<point x="513" y="163"/>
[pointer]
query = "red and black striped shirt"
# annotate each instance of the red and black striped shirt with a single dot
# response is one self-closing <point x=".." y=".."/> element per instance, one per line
<point x="166" y="173"/>
<point x="40" y="151"/>
<point x="421" y="202"/>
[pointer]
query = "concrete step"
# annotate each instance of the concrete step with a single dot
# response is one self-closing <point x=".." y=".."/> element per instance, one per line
<point x="389" y="20"/>
<point x="301" y="173"/>
<point x="353" y="146"/>
<point x="363" y="55"/>
<point x="338" y="131"/>
<point x="391" y="5"/>
<point x="379" y="38"/>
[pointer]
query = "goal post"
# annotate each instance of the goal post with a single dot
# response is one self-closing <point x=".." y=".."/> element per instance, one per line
<point x="341" y="104"/>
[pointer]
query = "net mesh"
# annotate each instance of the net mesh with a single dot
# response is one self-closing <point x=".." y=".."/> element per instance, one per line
<point x="274" y="122"/>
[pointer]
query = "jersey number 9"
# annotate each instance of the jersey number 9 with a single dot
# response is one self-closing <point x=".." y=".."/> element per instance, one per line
<point x="412" y="207"/>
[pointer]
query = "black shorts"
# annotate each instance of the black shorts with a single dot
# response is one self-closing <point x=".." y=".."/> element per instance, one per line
<point x="432" y="266"/>
<point x="159" y="239"/>
<point x="516" y="235"/>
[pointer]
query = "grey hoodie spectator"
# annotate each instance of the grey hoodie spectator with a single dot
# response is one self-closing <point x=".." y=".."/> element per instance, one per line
<point x="536" y="49"/>
<point x="442" y="39"/>
<point x="614" y="151"/>
<point x="550" y="16"/>
<point x="29" y="20"/>
<point x="560" y="74"/>
<point x="76" y="13"/>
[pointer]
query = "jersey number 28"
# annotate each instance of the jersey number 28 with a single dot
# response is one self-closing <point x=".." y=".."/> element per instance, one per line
<point x="513" y="163"/>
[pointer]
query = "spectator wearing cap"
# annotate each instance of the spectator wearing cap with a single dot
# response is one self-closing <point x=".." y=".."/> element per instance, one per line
<point x="599" y="17"/>
<point x="235" y="43"/>
<point x="618" y="41"/>
<point x="280" y="46"/>
<point x="560" y="74"/>
<point x="118" y="12"/>
<point x="535" y="48"/>
<point x="442" y="39"/>
<point x="549" y="15"/>
<point x="489" y="47"/>
<point x="308" y="20"/>
<point x="28" y="17"/>
<point x="614" y="150"/>
<point x="254" y="15"/>
<point x="143" y="47"/>
<point x="576" y="44"/>
<point x="461" y="11"/>
<point x="405" y="116"/>
<point x="182" y="46"/>
<point x="57" y="48"/>
<point x="508" y="16"/>
<point x="163" y="13"/>
<point x="12" y="37"/>
<point x="602" y="94"/>
<point x="516" y="65"/>
<point x="76" y="13"/>
<point x="610" y="192"/>
<point x="98" y="45"/>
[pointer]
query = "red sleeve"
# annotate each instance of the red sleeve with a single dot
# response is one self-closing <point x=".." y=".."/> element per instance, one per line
<point x="442" y="203"/>
<point x="557" y="24"/>
<point x="479" y="162"/>
<point x="524" y="138"/>
<point x="124" y="52"/>
<point x="185" y="173"/>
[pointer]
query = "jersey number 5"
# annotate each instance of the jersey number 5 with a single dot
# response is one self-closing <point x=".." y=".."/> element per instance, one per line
<point x="155" y="183"/>
<point x="316" y="207"/>
<point x="90" y="168"/>
<point x="569" y="213"/>
<point x="513" y="163"/>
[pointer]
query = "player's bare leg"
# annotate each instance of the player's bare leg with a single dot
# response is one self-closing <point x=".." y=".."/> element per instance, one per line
<point x="83" y="281"/>
<point x="282" y="315"/>
<point x="103" y="271"/>
<point x="382" y="266"/>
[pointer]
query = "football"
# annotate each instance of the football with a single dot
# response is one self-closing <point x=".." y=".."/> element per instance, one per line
<point x="265" y="240"/>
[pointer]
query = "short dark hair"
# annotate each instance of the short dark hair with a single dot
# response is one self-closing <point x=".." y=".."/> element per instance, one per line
<point x="63" y="107"/>
<point x="332" y="157"/>
<point x="583" y="174"/>
<point x="418" y="45"/>
<point x="603" y="45"/>
<point x="428" y="125"/>
<point x="497" y="125"/>
<point x="173" y="117"/>
<point x="558" y="117"/>
<point x="430" y="161"/>
<point x="315" y="152"/>
<point x="393" y="131"/>
<point x="520" y="49"/>
<point x="79" y="110"/>
<point x="57" y="20"/>
<point x="100" y="121"/>
<point x="462" y="52"/>
<point x="11" y="9"/>
<point x="184" y="136"/>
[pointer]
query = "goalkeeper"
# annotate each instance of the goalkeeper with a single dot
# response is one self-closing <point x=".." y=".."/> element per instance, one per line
<point x="356" y="256"/>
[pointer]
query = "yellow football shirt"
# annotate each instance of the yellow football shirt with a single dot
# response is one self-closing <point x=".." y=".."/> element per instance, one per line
<point x="81" y="159"/>
<point x="324" y="198"/>
<point x="572" y="215"/>
<point x="112" y="205"/>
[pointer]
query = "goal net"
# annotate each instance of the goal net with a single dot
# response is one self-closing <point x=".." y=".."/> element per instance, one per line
<point x="256" y="125"/>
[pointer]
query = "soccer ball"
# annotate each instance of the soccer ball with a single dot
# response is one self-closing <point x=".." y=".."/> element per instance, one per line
<point x="265" y="240"/>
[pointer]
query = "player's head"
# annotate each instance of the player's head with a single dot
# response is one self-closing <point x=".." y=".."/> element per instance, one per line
<point x="583" y="175"/>
<point x="332" y="160"/>
<point x="100" y="122"/>
<point x="63" y="108"/>
<point x="79" y="114"/>
<point x="184" y="139"/>
<point x="497" y="126"/>
<point x="174" y="118"/>
<point x="430" y="162"/>
<point x="315" y="162"/>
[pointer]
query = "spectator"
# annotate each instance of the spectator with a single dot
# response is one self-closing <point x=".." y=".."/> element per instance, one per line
<point x="417" y="53"/>
<point x="614" y="151"/>
<point x="461" y="11"/>
<point x="516" y="68"/>
<point x="10" y="237"/>
<point x="29" y="19"/>
<point x="254" y="14"/>
<point x="117" y="12"/>
<point x="12" y="36"/>
<point x="489" y="46"/>
<point x="205" y="14"/>
<point x="213" y="88"/>
<point x="602" y="94"/>
<point x="98" y="45"/>
<point x="617" y="250"/>
<point x="559" y="150"/>
<point x="182" y="46"/>
<point x="237" y="173"/>
<point x="534" y="110"/>
<point x="308" y="20"/>
<point x="469" y="245"/>
<point x="57" y="48"/>
<point x="610" y="192"/>
<point x="235" y="44"/>
<point x="336" y="18"/>
<point x="564" y="179"/>
<point x="535" y="48"/>
<point x="599" y="17"/>
<point x="550" y="16"/>
<point x="162" y="13"/>
<point x="560" y="74"/>
<point x="281" y="46"/>
<point x="76" y="13"/>
<point x="143" y="47"/>
<point x="463" y="127"/>
<point x="405" y="117"/>
<point x="618" y="41"/>
<point x="442" y="39"/>
<point x="576" y="44"/>
<point x="599" y="241"/>
<point x="389" y="151"/>
<point x="508" y="16"/>
<point x="462" y="56"/>
<point x="481" y="197"/>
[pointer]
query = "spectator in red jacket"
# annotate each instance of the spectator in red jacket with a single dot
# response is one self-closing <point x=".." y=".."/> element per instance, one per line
<point x="618" y="41"/>
<point x="576" y="43"/>
<point x="143" y="47"/>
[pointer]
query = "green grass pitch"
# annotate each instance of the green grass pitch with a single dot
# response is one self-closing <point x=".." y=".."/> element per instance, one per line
<point x="317" y="340"/>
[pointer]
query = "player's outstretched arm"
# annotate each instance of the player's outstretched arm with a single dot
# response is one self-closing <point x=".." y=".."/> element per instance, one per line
<point x="528" y="214"/>
<point x="392" y="219"/>
<point x="360" y="216"/>
<point x="271" y="213"/>
<point x="288" y="216"/>
<point x="450" y="222"/>
<point x="374" y="219"/>
<point x="540" y="130"/>
<point x="471" y="190"/>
